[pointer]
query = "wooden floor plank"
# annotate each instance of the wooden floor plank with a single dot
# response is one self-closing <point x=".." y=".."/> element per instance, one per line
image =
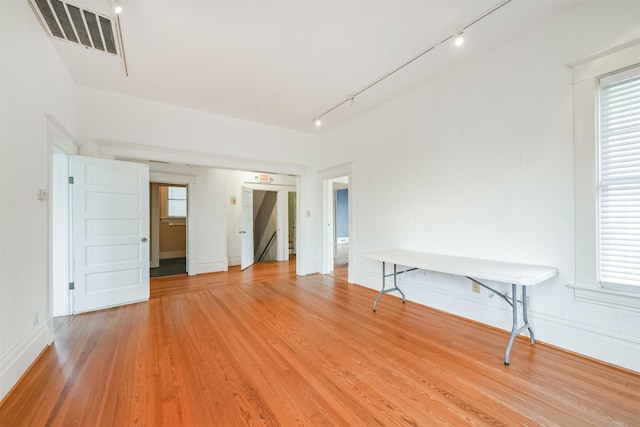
<point x="266" y="347"/>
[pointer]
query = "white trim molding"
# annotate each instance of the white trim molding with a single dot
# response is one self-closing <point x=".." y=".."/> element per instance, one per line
<point x="602" y="63"/>
<point x="607" y="297"/>
<point x="208" y="266"/>
<point x="15" y="363"/>
<point x="168" y="155"/>
<point x="173" y="254"/>
<point x="61" y="136"/>
<point x="586" y="74"/>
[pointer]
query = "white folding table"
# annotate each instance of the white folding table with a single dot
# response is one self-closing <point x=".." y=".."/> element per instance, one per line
<point x="474" y="269"/>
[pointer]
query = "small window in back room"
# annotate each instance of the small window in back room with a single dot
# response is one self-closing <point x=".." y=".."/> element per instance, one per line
<point x="177" y="202"/>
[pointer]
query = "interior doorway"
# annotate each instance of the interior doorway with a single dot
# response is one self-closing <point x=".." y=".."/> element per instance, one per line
<point x="341" y="212"/>
<point x="61" y="304"/>
<point x="265" y="226"/>
<point x="338" y="231"/>
<point x="293" y="218"/>
<point x="270" y="225"/>
<point x="168" y="221"/>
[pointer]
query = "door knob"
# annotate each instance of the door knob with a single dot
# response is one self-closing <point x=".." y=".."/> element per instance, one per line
<point x="144" y="240"/>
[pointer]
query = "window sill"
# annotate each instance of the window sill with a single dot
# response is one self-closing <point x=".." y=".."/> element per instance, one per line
<point x="607" y="297"/>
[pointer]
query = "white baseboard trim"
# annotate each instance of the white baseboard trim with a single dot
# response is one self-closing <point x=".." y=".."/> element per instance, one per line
<point x="588" y="340"/>
<point x="313" y="267"/>
<point x="208" y="267"/>
<point x="234" y="260"/>
<point x="15" y="363"/>
<point x="173" y="254"/>
<point x="585" y="339"/>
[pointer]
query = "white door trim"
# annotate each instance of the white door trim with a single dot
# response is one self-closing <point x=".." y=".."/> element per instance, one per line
<point x="60" y="137"/>
<point x="328" y="239"/>
<point x="160" y="177"/>
<point x="246" y="228"/>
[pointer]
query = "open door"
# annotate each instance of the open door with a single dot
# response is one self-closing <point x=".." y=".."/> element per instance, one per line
<point x="246" y="229"/>
<point x="110" y="220"/>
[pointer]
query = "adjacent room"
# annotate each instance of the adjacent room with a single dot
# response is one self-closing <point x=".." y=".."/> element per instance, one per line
<point x="320" y="213"/>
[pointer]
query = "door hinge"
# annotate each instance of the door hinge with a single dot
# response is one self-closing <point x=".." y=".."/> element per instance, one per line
<point x="72" y="286"/>
<point x="70" y="180"/>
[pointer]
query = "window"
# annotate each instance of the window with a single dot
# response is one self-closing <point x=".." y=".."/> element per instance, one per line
<point x="606" y="239"/>
<point x="177" y="202"/>
<point x="619" y="179"/>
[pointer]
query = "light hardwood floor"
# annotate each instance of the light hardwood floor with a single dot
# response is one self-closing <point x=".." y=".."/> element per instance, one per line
<point x="265" y="347"/>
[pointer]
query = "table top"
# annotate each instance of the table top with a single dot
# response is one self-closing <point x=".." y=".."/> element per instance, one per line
<point x="499" y="271"/>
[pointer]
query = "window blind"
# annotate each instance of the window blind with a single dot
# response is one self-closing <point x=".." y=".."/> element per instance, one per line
<point x="619" y="186"/>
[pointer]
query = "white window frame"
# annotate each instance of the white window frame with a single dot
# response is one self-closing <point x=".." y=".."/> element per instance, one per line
<point x="586" y="75"/>
<point x="612" y="265"/>
<point x="169" y="198"/>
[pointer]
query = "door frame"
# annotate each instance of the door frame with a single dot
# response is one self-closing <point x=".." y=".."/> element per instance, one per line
<point x="328" y="213"/>
<point x="247" y="257"/>
<point x="282" y="214"/>
<point x="159" y="177"/>
<point x="59" y="137"/>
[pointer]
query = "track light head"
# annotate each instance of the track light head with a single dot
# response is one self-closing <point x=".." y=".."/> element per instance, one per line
<point x="459" y="40"/>
<point x="116" y="6"/>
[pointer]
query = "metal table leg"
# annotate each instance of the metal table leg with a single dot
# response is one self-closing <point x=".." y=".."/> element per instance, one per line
<point x="395" y="283"/>
<point x="515" y="331"/>
<point x="513" y="301"/>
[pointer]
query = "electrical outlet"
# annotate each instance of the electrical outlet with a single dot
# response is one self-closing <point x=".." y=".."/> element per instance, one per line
<point x="475" y="287"/>
<point x="43" y="194"/>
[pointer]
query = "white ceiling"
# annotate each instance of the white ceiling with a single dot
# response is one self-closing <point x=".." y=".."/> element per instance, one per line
<point x="283" y="63"/>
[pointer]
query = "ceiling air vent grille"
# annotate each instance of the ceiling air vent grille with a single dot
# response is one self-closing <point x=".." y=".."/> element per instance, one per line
<point x="68" y="22"/>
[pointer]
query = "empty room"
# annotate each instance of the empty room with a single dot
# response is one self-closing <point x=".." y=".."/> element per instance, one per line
<point x="482" y="269"/>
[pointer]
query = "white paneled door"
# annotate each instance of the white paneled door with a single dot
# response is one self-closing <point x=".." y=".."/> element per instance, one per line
<point x="246" y="229"/>
<point x="110" y="217"/>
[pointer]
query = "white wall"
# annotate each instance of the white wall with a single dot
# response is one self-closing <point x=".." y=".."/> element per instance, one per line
<point x="211" y="222"/>
<point x="154" y="124"/>
<point x="33" y="83"/>
<point x="479" y="163"/>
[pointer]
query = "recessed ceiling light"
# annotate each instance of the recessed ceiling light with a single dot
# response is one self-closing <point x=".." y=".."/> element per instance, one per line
<point x="459" y="39"/>
<point x="318" y="122"/>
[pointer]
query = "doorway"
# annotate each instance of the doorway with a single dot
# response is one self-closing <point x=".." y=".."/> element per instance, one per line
<point x="339" y="227"/>
<point x="168" y="221"/>
<point x="292" y="208"/>
<point x="60" y="235"/>
<point x="341" y="214"/>
<point x="97" y="228"/>
<point x="267" y="225"/>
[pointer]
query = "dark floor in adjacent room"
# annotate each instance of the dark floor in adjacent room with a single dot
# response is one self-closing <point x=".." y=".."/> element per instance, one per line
<point x="170" y="267"/>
